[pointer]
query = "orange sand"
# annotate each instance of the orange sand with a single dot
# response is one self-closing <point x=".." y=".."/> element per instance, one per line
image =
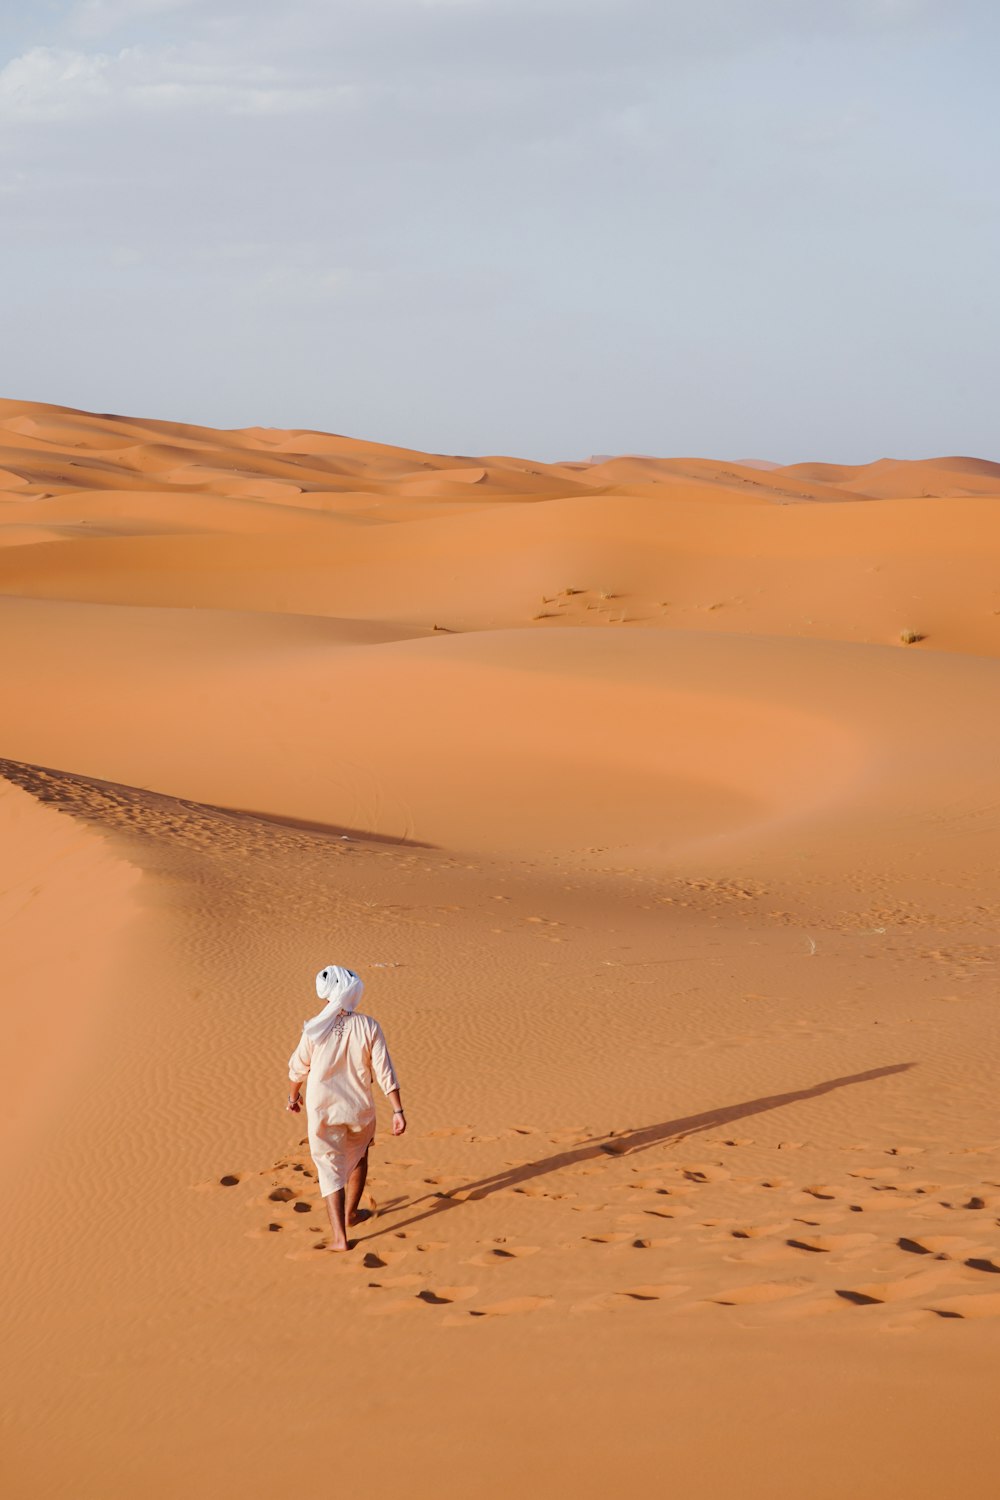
<point x="671" y="872"/>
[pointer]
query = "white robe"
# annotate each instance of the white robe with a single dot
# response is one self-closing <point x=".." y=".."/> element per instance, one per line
<point x="340" y="1105"/>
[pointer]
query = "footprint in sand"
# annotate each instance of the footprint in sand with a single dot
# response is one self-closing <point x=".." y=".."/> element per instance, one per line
<point x="875" y="1205"/>
<point x="510" y="1252"/>
<point x="830" y="1242"/>
<point x="345" y="1263"/>
<point x="612" y="1301"/>
<point x="943" y="1246"/>
<point x="652" y="1292"/>
<point x="764" y="1291"/>
<point x="510" y="1307"/>
<point x="444" y="1295"/>
<point x="915" y="1285"/>
<point x="986" y="1305"/>
<point x="615" y="1148"/>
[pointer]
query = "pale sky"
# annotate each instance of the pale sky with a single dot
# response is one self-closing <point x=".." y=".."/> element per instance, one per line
<point x="734" y="228"/>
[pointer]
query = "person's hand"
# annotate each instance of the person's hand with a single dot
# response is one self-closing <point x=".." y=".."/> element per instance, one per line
<point x="293" y="1106"/>
<point x="398" y="1122"/>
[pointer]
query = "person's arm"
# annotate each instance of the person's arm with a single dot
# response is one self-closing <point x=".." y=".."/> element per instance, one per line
<point x="298" y="1072"/>
<point x="398" y="1117"/>
<point x="387" y="1080"/>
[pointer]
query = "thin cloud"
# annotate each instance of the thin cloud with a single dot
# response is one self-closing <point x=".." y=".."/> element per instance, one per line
<point x="96" y="17"/>
<point x="545" y="226"/>
<point x="47" y="85"/>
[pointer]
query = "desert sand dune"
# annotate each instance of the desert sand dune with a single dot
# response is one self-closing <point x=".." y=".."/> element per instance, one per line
<point x="255" y="524"/>
<point x="655" y="801"/>
<point x="697" y="738"/>
<point x="905" y="479"/>
<point x="863" y="572"/>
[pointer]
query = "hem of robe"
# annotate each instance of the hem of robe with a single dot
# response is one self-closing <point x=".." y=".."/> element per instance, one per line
<point x="344" y="1146"/>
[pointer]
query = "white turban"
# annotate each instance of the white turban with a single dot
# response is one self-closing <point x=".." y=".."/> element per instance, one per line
<point x="341" y="989"/>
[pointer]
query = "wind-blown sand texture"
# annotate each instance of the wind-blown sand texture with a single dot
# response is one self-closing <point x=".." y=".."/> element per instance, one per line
<point x="656" y="801"/>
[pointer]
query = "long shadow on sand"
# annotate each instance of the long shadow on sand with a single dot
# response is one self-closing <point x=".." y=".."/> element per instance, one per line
<point x="625" y="1144"/>
<point x="137" y="810"/>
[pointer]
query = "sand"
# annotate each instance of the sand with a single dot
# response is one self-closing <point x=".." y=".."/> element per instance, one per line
<point x="670" y="867"/>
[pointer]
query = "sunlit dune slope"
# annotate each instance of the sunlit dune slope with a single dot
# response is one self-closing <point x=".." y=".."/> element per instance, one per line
<point x="65" y="899"/>
<point x="116" y="510"/>
<point x="889" y="478"/>
<point x="492" y="652"/>
<point x="505" y="740"/>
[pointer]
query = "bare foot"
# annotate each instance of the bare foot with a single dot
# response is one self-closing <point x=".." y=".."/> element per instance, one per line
<point x="360" y="1215"/>
<point x="339" y="1249"/>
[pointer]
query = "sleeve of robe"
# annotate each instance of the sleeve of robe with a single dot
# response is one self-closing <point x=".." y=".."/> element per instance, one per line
<point x="298" y="1063"/>
<point x="384" y="1072"/>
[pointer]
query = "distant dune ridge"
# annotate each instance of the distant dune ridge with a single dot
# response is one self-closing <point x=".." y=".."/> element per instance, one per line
<point x="417" y="585"/>
<point x="656" y="801"/>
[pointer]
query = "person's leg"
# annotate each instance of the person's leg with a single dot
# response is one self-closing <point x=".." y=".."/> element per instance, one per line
<point x="335" y="1208"/>
<point x="355" y="1187"/>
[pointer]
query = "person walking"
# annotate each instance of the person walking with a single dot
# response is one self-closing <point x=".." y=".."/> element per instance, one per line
<point x="338" y="1054"/>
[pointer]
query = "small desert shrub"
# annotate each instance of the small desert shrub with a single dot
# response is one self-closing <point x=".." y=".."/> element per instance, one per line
<point x="910" y="637"/>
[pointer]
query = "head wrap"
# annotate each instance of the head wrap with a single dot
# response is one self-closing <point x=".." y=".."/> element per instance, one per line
<point x="341" y="989"/>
